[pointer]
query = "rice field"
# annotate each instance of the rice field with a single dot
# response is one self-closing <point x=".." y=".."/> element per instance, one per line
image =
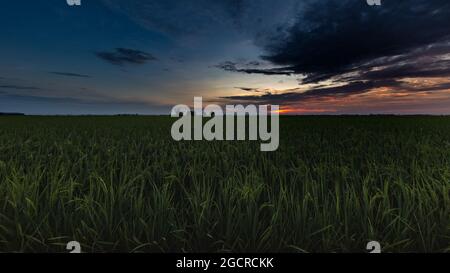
<point x="121" y="184"/>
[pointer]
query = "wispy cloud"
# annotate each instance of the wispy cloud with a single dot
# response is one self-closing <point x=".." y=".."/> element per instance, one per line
<point x="124" y="56"/>
<point x="84" y="104"/>
<point x="389" y="86"/>
<point x="254" y="68"/>
<point x="255" y="90"/>
<point x="19" y="87"/>
<point x="69" y="74"/>
<point x="218" y="18"/>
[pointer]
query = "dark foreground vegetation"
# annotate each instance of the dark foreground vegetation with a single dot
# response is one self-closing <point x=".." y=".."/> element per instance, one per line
<point x="122" y="184"/>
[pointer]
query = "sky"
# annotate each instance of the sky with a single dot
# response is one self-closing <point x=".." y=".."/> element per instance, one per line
<point x="146" y="56"/>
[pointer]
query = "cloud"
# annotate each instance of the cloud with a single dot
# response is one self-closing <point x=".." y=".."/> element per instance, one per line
<point x="253" y="68"/>
<point x="249" y="89"/>
<point x="218" y="18"/>
<point x="315" y="40"/>
<point x="432" y="61"/>
<point x="19" y="87"/>
<point x="332" y="37"/>
<point x="340" y="49"/>
<point x="68" y="103"/>
<point x="68" y="74"/>
<point x="124" y="56"/>
<point x="255" y="90"/>
<point x="293" y="96"/>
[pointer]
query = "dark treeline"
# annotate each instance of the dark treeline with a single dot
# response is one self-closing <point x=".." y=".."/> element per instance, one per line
<point x="12" y="114"/>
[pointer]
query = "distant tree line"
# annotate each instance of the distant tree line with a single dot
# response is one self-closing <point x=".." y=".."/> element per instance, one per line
<point x="12" y="114"/>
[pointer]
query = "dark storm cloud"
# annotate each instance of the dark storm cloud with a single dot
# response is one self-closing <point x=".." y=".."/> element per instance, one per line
<point x="332" y="37"/>
<point x="359" y="48"/>
<point x="68" y="74"/>
<point x="317" y="39"/>
<point x="124" y="56"/>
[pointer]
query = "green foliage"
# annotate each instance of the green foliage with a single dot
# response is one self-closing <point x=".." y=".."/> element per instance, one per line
<point x="122" y="184"/>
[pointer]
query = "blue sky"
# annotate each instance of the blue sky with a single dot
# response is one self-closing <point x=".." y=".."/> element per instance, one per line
<point x="136" y="56"/>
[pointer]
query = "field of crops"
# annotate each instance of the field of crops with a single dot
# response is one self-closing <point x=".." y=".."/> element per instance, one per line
<point x="122" y="184"/>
